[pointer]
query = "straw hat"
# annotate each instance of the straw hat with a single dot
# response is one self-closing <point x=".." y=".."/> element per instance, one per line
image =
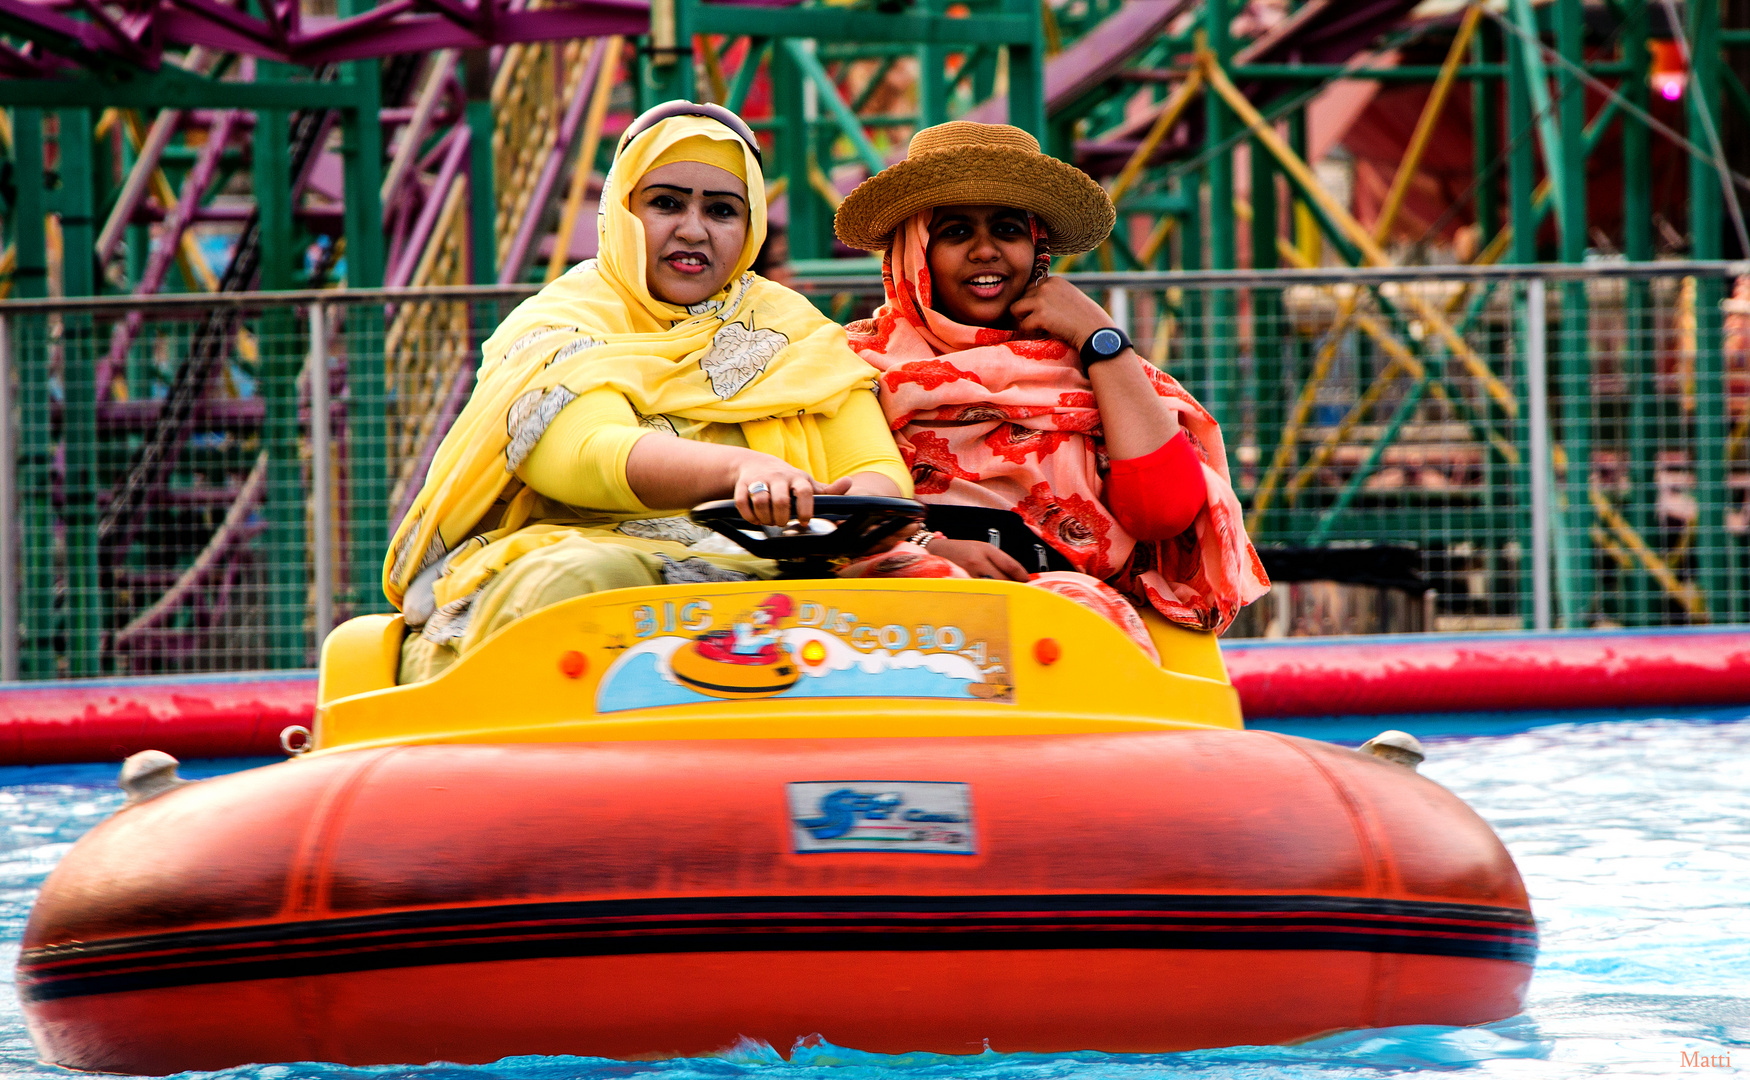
<point x="964" y="163"/>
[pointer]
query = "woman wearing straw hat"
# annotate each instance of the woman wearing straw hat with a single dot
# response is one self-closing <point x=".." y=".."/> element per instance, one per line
<point x="1011" y="389"/>
<point x="657" y="376"/>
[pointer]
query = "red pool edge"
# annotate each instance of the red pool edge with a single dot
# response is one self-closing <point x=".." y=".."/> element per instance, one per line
<point x="217" y="716"/>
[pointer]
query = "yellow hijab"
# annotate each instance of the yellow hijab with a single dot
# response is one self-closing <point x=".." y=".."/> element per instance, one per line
<point x="754" y="354"/>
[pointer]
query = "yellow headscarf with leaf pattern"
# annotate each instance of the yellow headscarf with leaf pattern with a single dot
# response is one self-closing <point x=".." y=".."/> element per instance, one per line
<point x="755" y="354"/>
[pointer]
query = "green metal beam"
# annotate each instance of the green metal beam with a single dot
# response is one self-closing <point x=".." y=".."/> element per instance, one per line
<point x="876" y="78"/>
<point x="744" y="75"/>
<point x="288" y="577"/>
<point x="1536" y="79"/>
<point x="1485" y="140"/>
<point x="810" y="217"/>
<point x="1735" y="86"/>
<point x="76" y="202"/>
<point x="843" y="24"/>
<point x="933" y="86"/>
<point x="849" y="126"/>
<point x="1266" y="391"/>
<point x="1401" y="415"/>
<point x="1521" y="158"/>
<point x="367" y="442"/>
<point x="1643" y="418"/>
<point x="1220" y="126"/>
<point x="1716" y="550"/>
<point x="1570" y="179"/>
<point x="1026" y="53"/>
<point x="361" y="152"/>
<point x="1316" y="73"/>
<point x="171" y="89"/>
<point x="1572" y="408"/>
<point x="35" y="450"/>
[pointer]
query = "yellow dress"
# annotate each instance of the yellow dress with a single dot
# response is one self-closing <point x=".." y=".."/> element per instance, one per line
<point x="527" y="503"/>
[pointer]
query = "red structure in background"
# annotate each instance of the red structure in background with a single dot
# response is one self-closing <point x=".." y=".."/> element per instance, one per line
<point x="242" y="716"/>
<point x="1440" y="199"/>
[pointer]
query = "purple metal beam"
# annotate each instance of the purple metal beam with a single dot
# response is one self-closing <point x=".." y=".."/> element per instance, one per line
<point x="1096" y="57"/>
<point x="399" y="26"/>
<point x="133" y="194"/>
<point x="434" y="201"/>
<point x="194" y="188"/>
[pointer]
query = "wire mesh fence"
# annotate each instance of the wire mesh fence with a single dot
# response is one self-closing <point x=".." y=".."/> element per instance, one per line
<point x="202" y="489"/>
<point x="1475" y="450"/>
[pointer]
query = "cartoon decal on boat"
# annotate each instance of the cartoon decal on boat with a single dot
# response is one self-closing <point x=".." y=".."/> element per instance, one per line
<point x="748" y="660"/>
<point x="825" y="643"/>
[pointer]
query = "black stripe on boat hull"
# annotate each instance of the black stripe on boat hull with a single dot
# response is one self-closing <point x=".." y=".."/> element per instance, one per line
<point x="773" y="924"/>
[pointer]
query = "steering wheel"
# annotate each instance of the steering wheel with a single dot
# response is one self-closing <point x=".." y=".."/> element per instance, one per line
<point x="843" y="527"/>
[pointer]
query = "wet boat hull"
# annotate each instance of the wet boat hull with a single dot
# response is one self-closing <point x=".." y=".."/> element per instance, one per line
<point x="1135" y="892"/>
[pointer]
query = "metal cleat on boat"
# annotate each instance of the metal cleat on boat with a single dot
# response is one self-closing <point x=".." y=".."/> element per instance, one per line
<point x="148" y="774"/>
<point x="1397" y="747"/>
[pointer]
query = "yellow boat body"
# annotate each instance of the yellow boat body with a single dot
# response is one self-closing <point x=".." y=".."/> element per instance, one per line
<point x="873" y="659"/>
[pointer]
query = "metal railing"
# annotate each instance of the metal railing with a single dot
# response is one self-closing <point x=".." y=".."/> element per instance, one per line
<point x="1564" y="444"/>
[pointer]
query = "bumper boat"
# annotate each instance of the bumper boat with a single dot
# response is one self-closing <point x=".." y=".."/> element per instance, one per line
<point x="976" y="816"/>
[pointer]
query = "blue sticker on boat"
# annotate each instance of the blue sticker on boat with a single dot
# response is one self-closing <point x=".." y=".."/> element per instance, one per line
<point x="918" y="816"/>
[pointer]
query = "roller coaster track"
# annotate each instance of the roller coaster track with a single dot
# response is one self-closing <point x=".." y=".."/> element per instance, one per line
<point x="123" y="515"/>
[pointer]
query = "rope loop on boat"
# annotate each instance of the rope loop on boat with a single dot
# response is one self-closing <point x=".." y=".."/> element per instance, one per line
<point x="296" y="740"/>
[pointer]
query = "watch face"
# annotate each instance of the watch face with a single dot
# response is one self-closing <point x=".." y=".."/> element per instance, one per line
<point x="1107" y="342"/>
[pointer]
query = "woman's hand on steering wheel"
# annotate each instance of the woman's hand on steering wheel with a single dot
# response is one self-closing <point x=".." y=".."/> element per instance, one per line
<point x="770" y="492"/>
<point x="979" y="559"/>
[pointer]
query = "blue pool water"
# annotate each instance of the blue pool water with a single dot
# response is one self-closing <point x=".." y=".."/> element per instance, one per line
<point x="1633" y="836"/>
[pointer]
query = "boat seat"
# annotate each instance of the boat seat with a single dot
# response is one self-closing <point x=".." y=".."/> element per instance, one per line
<point x="1182" y="649"/>
<point x="360" y="655"/>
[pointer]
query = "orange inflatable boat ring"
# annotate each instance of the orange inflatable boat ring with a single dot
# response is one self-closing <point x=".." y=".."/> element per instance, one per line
<point x="904" y="815"/>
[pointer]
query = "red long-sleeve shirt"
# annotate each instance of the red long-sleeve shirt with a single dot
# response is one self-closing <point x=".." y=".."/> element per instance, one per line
<point x="1157" y="496"/>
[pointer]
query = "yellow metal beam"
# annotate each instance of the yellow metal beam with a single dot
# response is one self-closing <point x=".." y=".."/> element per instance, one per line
<point x="713" y="68"/>
<point x="822" y="185"/>
<point x="1431" y="110"/>
<point x="1345" y="222"/>
<point x="1684" y="592"/>
<point x="1171" y="110"/>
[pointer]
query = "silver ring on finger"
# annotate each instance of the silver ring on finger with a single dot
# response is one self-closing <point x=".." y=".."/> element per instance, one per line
<point x="758" y="487"/>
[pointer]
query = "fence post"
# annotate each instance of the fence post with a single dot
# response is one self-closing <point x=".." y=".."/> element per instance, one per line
<point x="321" y="464"/>
<point x="1537" y="391"/>
<point x="8" y="518"/>
<point x="1118" y="303"/>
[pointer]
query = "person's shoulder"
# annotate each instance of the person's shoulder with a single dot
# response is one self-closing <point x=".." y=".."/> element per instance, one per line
<point x="569" y="302"/>
<point x="769" y="296"/>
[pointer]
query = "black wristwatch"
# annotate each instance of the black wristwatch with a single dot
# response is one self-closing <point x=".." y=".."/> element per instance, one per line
<point x="1103" y="345"/>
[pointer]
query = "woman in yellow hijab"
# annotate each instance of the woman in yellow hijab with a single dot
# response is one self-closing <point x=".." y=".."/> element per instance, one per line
<point x="657" y="376"/>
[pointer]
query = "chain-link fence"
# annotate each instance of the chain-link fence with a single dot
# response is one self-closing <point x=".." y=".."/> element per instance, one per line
<point x="1472" y="449"/>
<point x="200" y="488"/>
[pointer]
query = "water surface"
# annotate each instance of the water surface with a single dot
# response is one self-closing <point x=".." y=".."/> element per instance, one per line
<point x="1633" y="837"/>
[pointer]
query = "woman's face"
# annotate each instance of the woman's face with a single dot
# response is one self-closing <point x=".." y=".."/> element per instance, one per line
<point x="695" y="225"/>
<point x="981" y="261"/>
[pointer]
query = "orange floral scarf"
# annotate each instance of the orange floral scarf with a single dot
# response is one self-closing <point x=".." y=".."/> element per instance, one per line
<point x="984" y="418"/>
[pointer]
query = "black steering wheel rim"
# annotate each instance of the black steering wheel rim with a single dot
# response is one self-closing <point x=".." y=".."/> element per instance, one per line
<point x="858" y="524"/>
